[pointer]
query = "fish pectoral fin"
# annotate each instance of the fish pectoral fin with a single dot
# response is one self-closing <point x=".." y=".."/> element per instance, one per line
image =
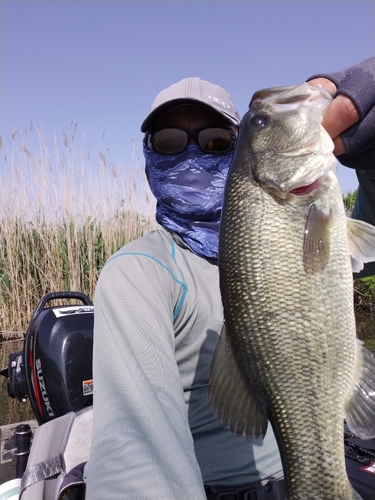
<point x="231" y="401"/>
<point x="317" y="239"/>
<point x="360" y="407"/>
<point x="361" y="241"/>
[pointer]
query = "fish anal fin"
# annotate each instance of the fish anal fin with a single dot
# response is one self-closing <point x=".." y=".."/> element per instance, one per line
<point x="361" y="242"/>
<point x="317" y="239"/>
<point x="231" y="401"/>
<point x="360" y="407"/>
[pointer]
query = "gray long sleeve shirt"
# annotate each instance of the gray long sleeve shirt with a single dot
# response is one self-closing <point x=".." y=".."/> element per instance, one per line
<point x="158" y="316"/>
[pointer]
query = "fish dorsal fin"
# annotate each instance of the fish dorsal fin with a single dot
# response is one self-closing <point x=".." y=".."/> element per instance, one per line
<point x="231" y="401"/>
<point x="360" y="407"/>
<point x="317" y="239"/>
<point x="361" y="241"/>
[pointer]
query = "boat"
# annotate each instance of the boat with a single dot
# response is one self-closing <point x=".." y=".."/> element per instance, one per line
<point x="54" y="372"/>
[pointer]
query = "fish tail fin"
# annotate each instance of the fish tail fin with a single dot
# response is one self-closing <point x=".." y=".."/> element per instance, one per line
<point x="360" y="408"/>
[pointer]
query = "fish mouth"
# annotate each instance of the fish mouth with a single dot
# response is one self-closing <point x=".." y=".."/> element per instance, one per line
<point x="309" y="188"/>
<point x="310" y="185"/>
<point x="292" y="96"/>
<point x="303" y="185"/>
<point x="302" y="191"/>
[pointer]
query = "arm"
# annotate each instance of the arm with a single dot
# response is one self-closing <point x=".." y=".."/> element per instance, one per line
<point x="350" y="119"/>
<point x="364" y="209"/>
<point x="142" y="444"/>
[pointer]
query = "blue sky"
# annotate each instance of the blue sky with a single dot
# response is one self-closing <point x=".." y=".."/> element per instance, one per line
<point x="100" y="63"/>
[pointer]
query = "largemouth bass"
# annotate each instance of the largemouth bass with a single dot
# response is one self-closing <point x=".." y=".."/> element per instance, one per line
<point x="289" y="353"/>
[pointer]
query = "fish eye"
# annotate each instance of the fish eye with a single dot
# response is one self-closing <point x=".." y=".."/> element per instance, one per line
<point x="259" y="121"/>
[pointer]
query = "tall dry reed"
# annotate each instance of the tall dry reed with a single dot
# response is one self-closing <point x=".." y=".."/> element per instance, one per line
<point x="62" y="214"/>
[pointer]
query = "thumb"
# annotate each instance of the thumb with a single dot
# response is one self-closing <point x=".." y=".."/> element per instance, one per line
<point x="341" y="114"/>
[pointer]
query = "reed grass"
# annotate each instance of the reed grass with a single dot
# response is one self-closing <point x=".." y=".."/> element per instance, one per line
<point x="62" y="214"/>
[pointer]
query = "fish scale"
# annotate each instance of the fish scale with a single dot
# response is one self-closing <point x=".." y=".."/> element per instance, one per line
<point x="289" y="317"/>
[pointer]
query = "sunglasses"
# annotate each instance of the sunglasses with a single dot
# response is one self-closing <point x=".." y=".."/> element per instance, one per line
<point x="174" y="140"/>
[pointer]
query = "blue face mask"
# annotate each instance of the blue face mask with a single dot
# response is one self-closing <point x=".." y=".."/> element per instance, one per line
<point x="189" y="190"/>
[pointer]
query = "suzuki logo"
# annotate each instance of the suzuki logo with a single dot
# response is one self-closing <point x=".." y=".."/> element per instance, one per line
<point x="42" y="388"/>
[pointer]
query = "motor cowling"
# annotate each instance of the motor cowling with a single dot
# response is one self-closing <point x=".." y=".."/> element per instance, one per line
<point x="54" y="370"/>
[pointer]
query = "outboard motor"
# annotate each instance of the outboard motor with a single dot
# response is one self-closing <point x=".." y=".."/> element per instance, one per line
<point x="54" y="369"/>
<point x="15" y="373"/>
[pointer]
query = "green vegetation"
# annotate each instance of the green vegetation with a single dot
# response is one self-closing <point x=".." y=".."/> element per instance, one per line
<point x="364" y="294"/>
<point x="349" y="200"/>
<point x="364" y="305"/>
<point x="366" y="287"/>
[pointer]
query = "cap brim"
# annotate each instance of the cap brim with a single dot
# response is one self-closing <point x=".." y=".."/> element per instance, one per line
<point x="166" y="106"/>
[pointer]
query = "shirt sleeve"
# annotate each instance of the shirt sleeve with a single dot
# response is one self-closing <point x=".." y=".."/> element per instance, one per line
<point x="142" y="443"/>
<point x="364" y="209"/>
<point x="358" y="83"/>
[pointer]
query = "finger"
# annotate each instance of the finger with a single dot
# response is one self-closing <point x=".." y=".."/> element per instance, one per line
<point x="341" y="114"/>
<point x="323" y="83"/>
<point x="339" y="146"/>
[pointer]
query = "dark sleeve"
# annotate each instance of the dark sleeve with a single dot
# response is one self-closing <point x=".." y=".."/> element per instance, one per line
<point x="364" y="209"/>
<point x="358" y="83"/>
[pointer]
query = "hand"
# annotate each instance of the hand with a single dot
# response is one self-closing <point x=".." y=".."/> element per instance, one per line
<point x="341" y="114"/>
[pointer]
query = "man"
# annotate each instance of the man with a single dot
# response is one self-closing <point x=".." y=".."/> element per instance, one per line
<point x="158" y="317"/>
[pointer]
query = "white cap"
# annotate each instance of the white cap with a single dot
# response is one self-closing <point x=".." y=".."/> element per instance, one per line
<point x="192" y="89"/>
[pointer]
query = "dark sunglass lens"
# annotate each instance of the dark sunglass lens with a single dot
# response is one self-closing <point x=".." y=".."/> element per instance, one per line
<point x="169" y="140"/>
<point x="216" y="140"/>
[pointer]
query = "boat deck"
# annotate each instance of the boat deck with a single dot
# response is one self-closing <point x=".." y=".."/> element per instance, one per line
<point x="8" y="449"/>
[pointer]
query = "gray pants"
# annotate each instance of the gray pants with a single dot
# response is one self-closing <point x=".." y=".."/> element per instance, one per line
<point x="273" y="490"/>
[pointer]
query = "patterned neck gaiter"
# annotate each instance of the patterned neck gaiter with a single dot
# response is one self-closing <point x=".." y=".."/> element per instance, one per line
<point x="189" y="188"/>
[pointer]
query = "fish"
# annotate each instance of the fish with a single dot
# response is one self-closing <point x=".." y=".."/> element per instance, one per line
<point x="288" y="353"/>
